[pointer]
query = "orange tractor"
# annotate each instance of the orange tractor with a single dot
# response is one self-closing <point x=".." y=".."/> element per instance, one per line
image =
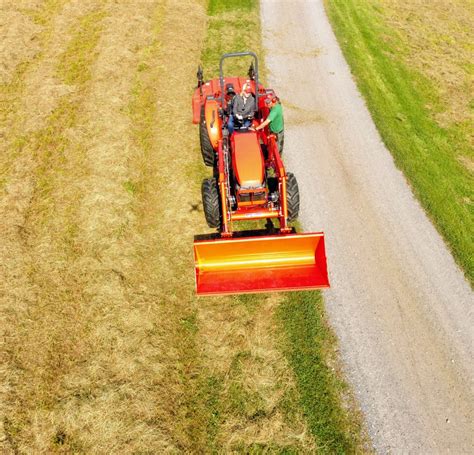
<point x="249" y="183"/>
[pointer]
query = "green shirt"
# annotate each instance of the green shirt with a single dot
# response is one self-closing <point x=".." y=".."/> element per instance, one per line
<point x="276" y="118"/>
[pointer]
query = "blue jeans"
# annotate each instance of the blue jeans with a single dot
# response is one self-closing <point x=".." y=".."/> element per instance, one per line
<point x="230" y="124"/>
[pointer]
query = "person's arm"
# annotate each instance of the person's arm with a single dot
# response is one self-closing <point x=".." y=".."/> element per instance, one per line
<point x="270" y="117"/>
<point x="263" y="124"/>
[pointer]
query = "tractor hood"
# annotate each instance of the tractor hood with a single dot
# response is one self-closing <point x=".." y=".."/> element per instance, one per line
<point x="247" y="160"/>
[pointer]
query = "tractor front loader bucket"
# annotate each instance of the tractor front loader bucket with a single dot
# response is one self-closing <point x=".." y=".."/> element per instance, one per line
<point x="260" y="264"/>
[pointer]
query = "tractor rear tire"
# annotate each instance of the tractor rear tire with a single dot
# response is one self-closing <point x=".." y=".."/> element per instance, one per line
<point x="208" y="154"/>
<point x="210" y="202"/>
<point x="292" y="197"/>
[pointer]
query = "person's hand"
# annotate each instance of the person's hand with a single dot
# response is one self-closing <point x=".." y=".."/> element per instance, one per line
<point x="252" y="128"/>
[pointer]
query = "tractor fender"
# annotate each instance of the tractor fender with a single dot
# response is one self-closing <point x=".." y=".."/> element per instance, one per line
<point x="197" y="103"/>
<point x="213" y="122"/>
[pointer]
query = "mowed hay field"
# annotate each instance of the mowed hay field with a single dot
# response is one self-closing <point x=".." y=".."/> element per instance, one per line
<point x="413" y="62"/>
<point x="105" y="347"/>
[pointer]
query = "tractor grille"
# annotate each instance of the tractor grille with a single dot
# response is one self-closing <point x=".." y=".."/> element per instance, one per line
<point x="245" y="197"/>
<point x="251" y="198"/>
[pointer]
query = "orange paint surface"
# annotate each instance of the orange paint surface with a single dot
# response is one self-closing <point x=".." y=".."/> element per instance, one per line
<point x="261" y="264"/>
<point x="248" y="159"/>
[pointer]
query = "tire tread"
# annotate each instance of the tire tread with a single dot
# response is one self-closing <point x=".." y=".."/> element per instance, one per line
<point x="207" y="151"/>
<point x="292" y="197"/>
<point x="210" y="201"/>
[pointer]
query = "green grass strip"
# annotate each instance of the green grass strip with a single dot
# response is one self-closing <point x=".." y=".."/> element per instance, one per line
<point x="234" y="26"/>
<point x="226" y="32"/>
<point x="403" y="103"/>
<point x="219" y="6"/>
<point x="308" y="344"/>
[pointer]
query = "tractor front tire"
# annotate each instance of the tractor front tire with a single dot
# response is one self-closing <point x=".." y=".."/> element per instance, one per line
<point x="208" y="154"/>
<point x="210" y="202"/>
<point x="292" y="197"/>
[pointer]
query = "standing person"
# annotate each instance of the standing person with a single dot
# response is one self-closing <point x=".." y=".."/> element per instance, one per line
<point x="275" y="120"/>
<point x="243" y="109"/>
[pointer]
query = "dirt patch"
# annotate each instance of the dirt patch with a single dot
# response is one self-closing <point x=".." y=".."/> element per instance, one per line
<point x="467" y="162"/>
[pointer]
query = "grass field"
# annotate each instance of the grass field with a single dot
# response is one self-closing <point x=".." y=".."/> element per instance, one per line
<point x="106" y="348"/>
<point x="413" y="63"/>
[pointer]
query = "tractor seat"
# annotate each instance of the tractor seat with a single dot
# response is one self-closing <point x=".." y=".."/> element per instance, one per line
<point x="247" y="160"/>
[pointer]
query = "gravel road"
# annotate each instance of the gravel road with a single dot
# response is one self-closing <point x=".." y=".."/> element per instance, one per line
<point x="401" y="308"/>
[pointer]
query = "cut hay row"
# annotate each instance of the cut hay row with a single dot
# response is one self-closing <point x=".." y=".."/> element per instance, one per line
<point x="63" y="256"/>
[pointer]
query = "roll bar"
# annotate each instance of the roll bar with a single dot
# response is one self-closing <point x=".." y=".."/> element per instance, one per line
<point x="255" y="70"/>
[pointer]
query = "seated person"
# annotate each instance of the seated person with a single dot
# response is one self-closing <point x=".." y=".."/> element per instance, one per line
<point x="229" y="98"/>
<point x="243" y="109"/>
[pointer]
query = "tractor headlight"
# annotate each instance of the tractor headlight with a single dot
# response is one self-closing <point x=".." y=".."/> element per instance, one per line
<point x="274" y="196"/>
